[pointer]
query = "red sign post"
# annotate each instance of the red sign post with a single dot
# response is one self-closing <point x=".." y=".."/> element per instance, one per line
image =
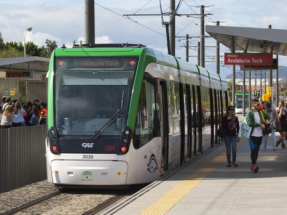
<point x="248" y="59"/>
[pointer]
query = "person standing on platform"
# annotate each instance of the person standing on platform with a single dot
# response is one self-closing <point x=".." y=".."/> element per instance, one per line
<point x="254" y="119"/>
<point x="7" y="117"/>
<point x="273" y="116"/>
<point x="231" y="125"/>
<point x="282" y="118"/>
<point x="43" y="114"/>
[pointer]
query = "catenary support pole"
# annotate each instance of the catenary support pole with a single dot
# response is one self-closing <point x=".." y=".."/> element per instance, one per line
<point x="261" y="85"/>
<point x="187" y="48"/>
<point x="243" y="93"/>
<point x="90" y="22"/>
<point x="233" y="72"/>
<point x="172" y="28"/>
<point x="270" y="78"/>
<point x="202" y="38"/>
<point x="277" y="82"/>
<point x="217" y="54"/>
<point x="249" y="89"/>
<point x="198" y="53"/>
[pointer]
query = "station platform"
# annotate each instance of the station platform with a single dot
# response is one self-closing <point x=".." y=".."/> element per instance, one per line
<point x="208" y="187"/>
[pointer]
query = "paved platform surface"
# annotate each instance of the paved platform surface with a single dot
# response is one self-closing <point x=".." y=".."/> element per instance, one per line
<point x="208" y="187"/>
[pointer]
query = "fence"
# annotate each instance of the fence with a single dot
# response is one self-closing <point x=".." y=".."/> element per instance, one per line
<point x="22" y="156"/>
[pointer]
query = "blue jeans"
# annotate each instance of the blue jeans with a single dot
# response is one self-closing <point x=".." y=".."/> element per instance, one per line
<point x="230" y="142"/>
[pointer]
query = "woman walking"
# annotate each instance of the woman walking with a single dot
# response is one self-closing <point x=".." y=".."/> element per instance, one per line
<point x="273" y="116"/>
<point x="231" y="124"/>
<point x="282" y="117"/>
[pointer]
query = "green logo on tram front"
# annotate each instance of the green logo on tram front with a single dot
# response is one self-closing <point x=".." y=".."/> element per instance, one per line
<point x="87" y="176"/>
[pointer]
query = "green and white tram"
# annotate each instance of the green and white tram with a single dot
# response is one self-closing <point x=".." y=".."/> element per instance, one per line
<point x="125" y="115"/>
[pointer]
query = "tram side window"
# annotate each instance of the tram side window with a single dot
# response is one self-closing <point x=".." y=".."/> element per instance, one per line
<point x="173" y="107"/>
<point x="219" y="117"/>
<point x="206" y="106"/>
<point x="148" y="122"/>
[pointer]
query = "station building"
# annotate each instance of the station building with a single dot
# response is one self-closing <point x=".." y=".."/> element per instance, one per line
<point x="24" y="78"/>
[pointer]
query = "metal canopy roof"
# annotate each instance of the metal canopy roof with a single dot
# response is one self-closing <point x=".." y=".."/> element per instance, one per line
<point x="39" y="64"/>
<point x="251" y="39"/>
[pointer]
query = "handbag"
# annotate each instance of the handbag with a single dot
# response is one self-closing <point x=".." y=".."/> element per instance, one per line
<point x="268" y="128"/>
<point x="244" y="130"/>
<point x="221" y="132"/>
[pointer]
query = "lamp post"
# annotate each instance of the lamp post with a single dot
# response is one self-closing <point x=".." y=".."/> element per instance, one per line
<point x="28" y="29"/>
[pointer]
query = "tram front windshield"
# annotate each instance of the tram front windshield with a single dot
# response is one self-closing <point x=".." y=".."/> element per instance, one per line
<point x="91" y="90"/>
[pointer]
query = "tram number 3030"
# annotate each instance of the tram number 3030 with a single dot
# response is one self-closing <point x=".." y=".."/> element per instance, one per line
<point x="88" y="157"/>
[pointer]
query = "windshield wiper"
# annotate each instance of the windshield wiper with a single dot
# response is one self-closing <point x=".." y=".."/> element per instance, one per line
<point x="105" y="126"/>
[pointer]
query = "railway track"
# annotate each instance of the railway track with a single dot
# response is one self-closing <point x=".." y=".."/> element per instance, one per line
<point x="90" y="201"/>
<point x="32" y="203"/>
<point x="85" y="202"/>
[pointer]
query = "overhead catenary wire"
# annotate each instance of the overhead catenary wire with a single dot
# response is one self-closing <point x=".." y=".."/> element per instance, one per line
<point x="128" y="18"/>
<point x="185" y="27"/>
<point x="142" y="7"/>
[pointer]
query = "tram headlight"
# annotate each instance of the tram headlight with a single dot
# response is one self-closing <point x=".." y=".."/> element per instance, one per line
<point x="123" y="149"/>
<point x="53" y="140"/>
<point x="52" y="131"/>
<point x="54" y="148"/>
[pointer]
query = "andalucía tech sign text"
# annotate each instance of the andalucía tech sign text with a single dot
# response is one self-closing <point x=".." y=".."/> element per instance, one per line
<point x="248" y="59"/>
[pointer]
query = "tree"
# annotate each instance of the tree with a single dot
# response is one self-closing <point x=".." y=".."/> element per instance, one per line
<point x="50" y="46"/>
<point x="16" y="49"/>
<point x="1" y="42"/>
<point x="33" y="50"/>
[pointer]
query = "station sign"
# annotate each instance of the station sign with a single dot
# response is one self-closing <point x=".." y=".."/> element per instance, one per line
<point x="248" y="59"/>
<point x="19" y="74"/>
<point x="260" y="67"/>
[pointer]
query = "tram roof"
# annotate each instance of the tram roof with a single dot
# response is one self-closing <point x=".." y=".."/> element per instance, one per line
<point x="251" y="39"/>
<point x="40" y="64"/>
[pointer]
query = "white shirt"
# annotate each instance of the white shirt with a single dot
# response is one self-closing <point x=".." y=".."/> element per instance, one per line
<point x="257" y="132"/>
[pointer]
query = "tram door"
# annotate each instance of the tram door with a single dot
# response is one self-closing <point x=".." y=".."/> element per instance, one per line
<point x="164" y="132"/>
<point x="195" y="120"/>
<point x="189" y="114"/>
<point x="215" y="105"/>
<point x="212" y="122"/>
<point x="184" y="109"/>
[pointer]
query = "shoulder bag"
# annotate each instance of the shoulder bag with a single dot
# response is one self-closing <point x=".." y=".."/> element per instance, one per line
<point x="221" y="132"/>
<point x="268" y="128"/>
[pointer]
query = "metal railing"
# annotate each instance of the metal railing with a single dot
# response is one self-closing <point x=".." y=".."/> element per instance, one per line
<point x="22" y="156"/>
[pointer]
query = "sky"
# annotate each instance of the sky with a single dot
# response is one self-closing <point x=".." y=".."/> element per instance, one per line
<point x="64" y="22"/>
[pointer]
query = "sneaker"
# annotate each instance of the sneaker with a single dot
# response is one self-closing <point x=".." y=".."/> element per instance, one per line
<point x="235" y="164"/>
<point x="256" y="169"/>
<point x="253" y="167"/>
<point x="274" y="148"/>
<point x="228" y="165"/>
<point x="264" y="147"/>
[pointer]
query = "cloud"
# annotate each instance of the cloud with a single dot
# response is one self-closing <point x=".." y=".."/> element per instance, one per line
<point x="64" y="21"/>
<point x="39" y="38"/>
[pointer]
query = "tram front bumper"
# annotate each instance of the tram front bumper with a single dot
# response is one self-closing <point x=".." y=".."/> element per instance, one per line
<point x="89" y="172"/>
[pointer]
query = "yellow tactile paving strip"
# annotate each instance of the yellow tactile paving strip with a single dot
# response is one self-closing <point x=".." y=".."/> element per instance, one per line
<point x="165" y="203"/>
